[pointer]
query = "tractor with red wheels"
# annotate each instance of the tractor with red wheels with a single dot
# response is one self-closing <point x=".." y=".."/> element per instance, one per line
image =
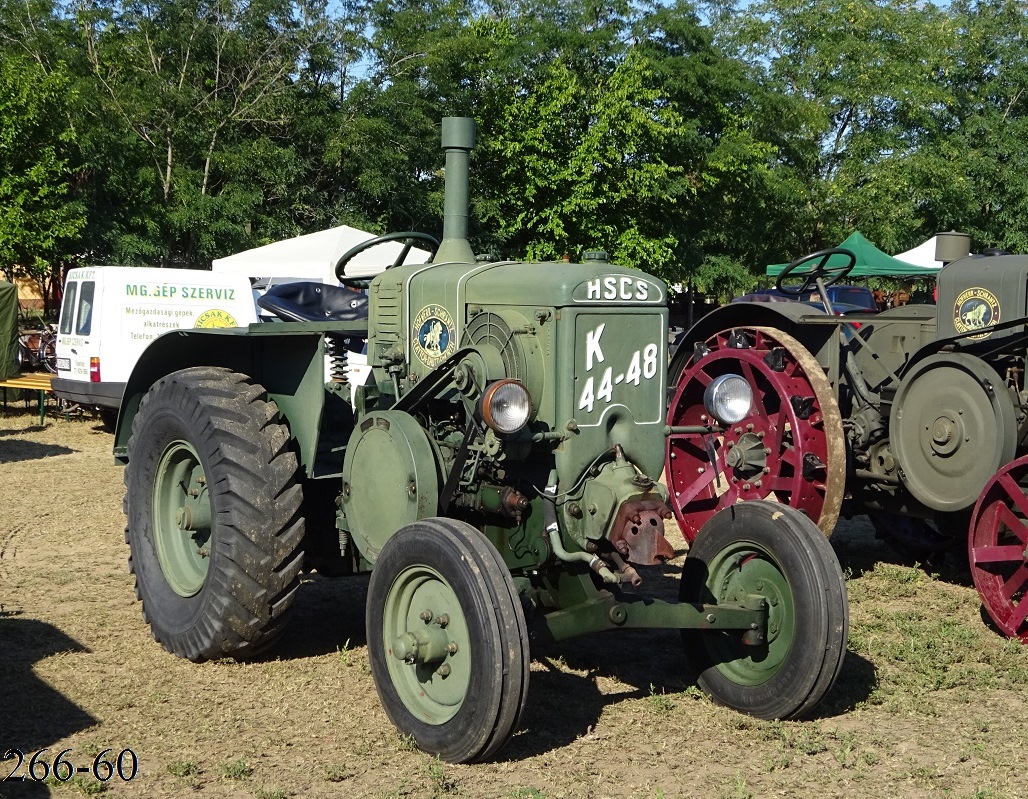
<point x="917" y="416"/>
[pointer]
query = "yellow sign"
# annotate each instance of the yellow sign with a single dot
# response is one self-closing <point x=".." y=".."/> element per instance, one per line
<point x="216" y="317"/>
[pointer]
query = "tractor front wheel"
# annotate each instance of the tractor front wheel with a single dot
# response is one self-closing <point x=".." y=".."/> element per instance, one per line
<point x="447" y="640"/>
<point x="769" y="550"/>
<point x="214" y="524"/>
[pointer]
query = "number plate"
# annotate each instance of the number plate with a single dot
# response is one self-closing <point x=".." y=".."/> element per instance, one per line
<point x="620" y="362"/>
<point x="64" y="364"/>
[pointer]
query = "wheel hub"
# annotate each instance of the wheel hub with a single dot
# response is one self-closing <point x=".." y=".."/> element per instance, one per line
<point x="947" y="434"/>
<point x="428" y="644"/>
<point x="747" y="456"/>
<point x="182" y="519"/>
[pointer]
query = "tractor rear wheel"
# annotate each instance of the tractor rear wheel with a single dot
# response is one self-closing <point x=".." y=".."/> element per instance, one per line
<point x="790" y="448"/>
<point x="447" y="639"/>
<point x="766" y="549"/>
<point x="998" y="548"/>
<point x="214" y="525"/>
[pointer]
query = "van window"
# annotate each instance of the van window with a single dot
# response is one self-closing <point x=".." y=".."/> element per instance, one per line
<point x="68" y="307"/>
<point x="85" y="314"/>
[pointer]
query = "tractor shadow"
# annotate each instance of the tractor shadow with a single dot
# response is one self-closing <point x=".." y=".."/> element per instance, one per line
<point x="860" y="550"/>
<point x="566" y="702"/>
<point x="328" y="617"/>
<point x="35" y="716"/>
<point x="572" y="682"/>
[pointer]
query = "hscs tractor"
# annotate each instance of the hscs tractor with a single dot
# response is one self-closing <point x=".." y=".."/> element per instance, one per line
<point x="498" y="474"/>
<point x="914" y="415"/>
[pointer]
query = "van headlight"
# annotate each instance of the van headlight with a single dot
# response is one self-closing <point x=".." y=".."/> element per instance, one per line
<point x="728" y="399"/>
<point x="506" y="406"/>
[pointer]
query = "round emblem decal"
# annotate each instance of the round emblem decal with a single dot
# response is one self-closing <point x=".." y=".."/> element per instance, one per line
<point x="434" y="335"/>
<point x="975" y="308"/>
<point x="216" y="317"/>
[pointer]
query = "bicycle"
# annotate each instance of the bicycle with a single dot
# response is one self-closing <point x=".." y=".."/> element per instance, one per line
<point x="38" y="349"/>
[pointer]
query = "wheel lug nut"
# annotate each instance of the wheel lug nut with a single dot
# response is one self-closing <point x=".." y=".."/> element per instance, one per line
<point x="443" y="619"/>
<point x="451" y="648"/>
<point x="426" y="616"/>
<point x="443" y="671"/>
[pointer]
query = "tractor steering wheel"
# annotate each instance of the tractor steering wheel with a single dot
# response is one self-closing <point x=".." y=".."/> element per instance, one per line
<point x="827" y="274"/>
<point x="408" y="237"/>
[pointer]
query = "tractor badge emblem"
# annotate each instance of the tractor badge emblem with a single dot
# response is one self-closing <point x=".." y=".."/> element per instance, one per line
<point x="975" y="308"/>
<point x="434" y="335"/>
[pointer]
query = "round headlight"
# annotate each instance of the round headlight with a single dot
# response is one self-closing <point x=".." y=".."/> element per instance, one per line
<point x="506" y="406"/>
<point x="728" y="399"/>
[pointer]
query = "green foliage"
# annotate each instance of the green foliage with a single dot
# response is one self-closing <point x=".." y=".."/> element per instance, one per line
<point x="184" y="768"/>
<point x="722" y="277"/>
<point x="236" y="770"/>
<point x="577" y="168"/>
<point x="175" y="132"/>
<point x="39" y="215"/>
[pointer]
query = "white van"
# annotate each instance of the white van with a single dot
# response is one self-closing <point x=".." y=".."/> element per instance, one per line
<point x="111" y="313"/>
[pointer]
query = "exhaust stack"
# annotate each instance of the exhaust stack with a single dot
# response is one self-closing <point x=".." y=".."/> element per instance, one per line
<point x="458" y="141"/>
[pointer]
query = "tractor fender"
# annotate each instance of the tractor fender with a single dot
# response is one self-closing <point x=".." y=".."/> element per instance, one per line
<point x="784" y="316"/>
<point x="287" y="359"/>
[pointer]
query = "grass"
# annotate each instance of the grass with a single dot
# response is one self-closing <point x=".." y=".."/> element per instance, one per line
<point x="263" y="793"/>
<point x="442" y="784"/>
<point x="346" y="654"/>
<point x="660" y="704"/>
<point x="236" y="770"/>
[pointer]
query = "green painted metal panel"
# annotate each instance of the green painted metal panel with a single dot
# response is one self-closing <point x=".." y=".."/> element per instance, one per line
<point x="287" y="359"/>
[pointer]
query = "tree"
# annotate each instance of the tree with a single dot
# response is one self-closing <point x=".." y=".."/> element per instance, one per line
<point x="578" y="167"/>
<point x="39" y="217"/>
<point x="849" y="89"/>
<point x="202" y="87"/>
<point x="976" y="167"/>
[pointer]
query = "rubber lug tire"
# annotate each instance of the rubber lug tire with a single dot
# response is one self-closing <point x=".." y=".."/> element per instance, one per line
<point x="781" y="540"/>
<point x="498" y="669"/>
<point x="256" y="531"/>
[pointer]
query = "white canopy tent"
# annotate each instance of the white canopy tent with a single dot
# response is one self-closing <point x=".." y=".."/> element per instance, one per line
<point x="314" y="256"/>
<point x="923" y="256"/>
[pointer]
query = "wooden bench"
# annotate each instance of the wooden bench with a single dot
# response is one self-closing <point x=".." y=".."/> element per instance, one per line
<point x="30" y="381"/>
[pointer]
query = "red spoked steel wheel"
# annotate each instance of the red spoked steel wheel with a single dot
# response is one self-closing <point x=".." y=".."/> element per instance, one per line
<point x="790" y="448"/>
<point x="997" y="547"/>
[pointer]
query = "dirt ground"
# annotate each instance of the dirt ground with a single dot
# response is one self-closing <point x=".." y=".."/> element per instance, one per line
<point x="930" y="702"/>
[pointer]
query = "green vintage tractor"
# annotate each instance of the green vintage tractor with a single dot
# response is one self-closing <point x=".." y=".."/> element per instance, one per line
<point x="497" y="476"/>
<point x="917" y="416"/>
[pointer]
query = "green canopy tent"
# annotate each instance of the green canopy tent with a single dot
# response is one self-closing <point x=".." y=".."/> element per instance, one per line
<point x="870" y="261"/>
<point x="8" y="330"/>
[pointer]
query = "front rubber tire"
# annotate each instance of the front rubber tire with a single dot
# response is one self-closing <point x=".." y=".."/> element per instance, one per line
<point x="208" y="444"/>
<point x="443" y="566"/>
<point x="764" y="548"/>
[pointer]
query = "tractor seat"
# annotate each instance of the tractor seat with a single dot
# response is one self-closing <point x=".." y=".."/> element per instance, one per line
<point x="315" y="302"/>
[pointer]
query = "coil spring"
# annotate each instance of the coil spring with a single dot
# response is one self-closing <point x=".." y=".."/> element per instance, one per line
<point x="335" y="345"/>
